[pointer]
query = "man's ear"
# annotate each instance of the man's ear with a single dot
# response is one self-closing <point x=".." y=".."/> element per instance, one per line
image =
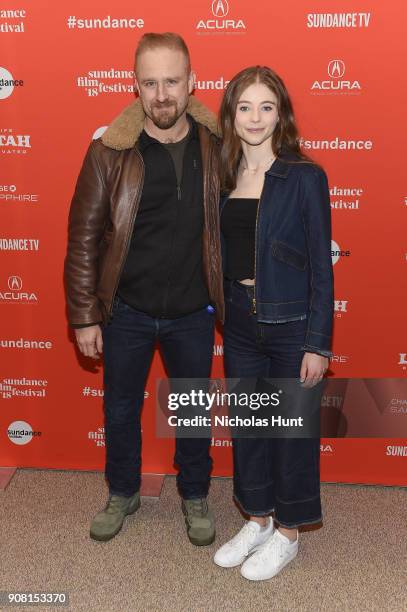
<point x="191" y="81"/>
<point x="136" y="87"/>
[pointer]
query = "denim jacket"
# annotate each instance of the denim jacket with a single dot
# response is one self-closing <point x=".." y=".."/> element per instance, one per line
<point x="293" y="265"/>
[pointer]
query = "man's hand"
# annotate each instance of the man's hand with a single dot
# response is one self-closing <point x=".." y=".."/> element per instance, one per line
<point x="90" y="341"/>
<point x="313" y="368"/>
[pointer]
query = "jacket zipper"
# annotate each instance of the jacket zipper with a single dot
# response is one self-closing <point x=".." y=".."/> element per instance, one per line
<point x="179" y="196"/>
<point x="130" y="231"/>
<point x="255" y="249"/>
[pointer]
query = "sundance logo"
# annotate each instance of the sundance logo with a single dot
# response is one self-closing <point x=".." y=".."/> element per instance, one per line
<point x="21" y="343"/>
<point x="20" y="432"/>
<point x="7" y="83"/>
<point x="337" y="252"/>
<point x="217" y="84"/>
<point x="15" y="293"/>
<point x="337" y="144"/>
<point x="326" y="449"/>
<point x="335" y="84"/>
<point x="221" y="20"/>
<point x="403" y="360"/>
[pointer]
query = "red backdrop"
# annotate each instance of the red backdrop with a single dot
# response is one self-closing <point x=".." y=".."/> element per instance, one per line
<point x="71" y="64"/>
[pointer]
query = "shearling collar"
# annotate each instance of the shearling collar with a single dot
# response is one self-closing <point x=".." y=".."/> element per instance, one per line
<point x="124" y="131"/>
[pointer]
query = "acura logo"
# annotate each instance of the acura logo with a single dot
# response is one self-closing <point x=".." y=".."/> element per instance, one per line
<point x="220" y="8"/>
<point x="15" y="283"/>
<point x="336" y="69"/>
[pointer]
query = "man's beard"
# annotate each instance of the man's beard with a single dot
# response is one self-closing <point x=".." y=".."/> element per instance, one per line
<point x="165" y="115"/>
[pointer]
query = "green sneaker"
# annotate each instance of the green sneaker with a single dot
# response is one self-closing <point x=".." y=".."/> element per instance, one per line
<point x="109" y="521"/>
<point x="199" y="521"/>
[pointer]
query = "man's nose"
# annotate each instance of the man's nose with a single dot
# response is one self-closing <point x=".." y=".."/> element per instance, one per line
<point x="162" y="94"/>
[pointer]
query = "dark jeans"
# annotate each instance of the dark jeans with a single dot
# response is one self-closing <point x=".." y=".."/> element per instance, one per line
<point x="275" y="473"/>
<point x="129" y="342"/>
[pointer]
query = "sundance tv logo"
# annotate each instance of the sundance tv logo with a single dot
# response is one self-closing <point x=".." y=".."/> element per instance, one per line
<point x="338" y="20"/>
<point x="15" y="295"/>
<point x="221" y="21"/>
<point x="335" y="84"/>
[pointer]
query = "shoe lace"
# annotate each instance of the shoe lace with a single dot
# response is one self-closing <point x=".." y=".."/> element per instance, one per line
<point x="272" y="545"/>
<point x="244" y="538"/>
<point x="114" y="503"/>
<point x="197" y="507"/>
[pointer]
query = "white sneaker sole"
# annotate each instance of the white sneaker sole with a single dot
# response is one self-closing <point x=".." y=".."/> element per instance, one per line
<point x="274" y="573"/>
<point x="237" y="563"/>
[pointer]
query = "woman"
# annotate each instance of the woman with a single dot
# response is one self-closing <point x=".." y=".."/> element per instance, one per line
<point x="276" y="233"/>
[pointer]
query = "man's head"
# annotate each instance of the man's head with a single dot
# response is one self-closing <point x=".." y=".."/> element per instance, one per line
<point x="163" y="77"/>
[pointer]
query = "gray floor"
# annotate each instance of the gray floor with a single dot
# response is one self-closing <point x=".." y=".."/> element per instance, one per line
<point x="357" y="562"/>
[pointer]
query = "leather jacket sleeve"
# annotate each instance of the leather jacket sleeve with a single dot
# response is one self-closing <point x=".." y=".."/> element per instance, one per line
<point x="317" y="225"/>
<point x="88" y="215"/>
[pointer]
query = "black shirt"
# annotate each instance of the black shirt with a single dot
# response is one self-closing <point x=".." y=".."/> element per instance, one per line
<point x="163" y="273"/>
<point x="238" y="226"/>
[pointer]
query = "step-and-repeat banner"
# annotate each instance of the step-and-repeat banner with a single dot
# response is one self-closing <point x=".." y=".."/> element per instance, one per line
<point x="66" y="70"/>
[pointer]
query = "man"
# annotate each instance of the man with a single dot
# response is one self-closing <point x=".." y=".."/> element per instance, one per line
<point x="143" y="265"/>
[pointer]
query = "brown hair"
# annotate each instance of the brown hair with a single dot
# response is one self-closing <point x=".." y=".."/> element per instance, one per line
<point x="285" y="135"/>
<point x="168" y="40"/>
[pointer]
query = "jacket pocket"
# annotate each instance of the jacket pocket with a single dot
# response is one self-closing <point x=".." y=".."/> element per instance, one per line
<point x="288" y="255"/>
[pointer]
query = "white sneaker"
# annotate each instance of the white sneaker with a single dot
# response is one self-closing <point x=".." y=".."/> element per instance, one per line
<point x="249" y="538"/>
<point x="270" y="559"/>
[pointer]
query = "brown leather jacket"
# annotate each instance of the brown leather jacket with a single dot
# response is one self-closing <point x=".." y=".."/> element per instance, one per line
<point x="104" y="207"/>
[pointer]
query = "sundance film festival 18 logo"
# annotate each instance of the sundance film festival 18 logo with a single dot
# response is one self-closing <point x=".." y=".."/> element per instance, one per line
<point x="335" y="84"/>
<point x="11" y="20"/>
<point x="110" y="81"/>
<point x="223" y="19"/>
<point x="345" y="198"/>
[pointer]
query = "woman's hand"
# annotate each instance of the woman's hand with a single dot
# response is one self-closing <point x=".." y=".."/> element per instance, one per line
<point x="313" y="368"/>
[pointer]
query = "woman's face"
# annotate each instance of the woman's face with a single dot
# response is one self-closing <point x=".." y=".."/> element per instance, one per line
<point x="256" y="114"/>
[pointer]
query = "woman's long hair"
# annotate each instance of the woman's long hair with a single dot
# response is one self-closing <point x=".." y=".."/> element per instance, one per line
<point x="285" y="135"/>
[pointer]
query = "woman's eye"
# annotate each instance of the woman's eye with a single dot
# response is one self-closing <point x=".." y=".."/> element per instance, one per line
<point x="243" y="108"/>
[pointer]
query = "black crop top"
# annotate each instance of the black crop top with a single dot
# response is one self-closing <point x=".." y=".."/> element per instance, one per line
<point x="238" y="226"/>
